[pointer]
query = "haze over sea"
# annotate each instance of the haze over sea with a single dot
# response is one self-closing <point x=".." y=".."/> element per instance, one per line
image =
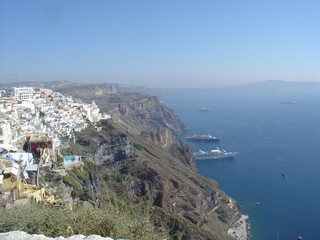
<point x="275" y="138"/>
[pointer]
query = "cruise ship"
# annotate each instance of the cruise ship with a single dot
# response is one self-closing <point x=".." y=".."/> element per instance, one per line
<point x="204" y="138"/>
<point x="214" y="154"/>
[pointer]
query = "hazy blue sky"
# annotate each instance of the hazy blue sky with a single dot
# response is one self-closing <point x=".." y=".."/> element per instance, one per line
<point x="164" y="43"/>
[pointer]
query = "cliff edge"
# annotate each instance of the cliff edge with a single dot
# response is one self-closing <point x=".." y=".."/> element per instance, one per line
<point x="136" y="111"/>
<point x="140" y="145"/>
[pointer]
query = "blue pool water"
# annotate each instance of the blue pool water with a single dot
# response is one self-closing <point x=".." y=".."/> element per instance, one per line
<point x="69" y="159"/>
<point x="275" y="138"/>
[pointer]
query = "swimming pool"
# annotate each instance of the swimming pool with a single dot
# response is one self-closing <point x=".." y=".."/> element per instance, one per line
<point x="69" y="159"/>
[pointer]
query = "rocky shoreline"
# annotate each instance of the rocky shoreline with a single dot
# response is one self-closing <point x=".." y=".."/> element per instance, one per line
<point x="241" y="229"/>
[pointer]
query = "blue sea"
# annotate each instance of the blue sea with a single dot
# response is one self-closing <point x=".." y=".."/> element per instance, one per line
<point x="275" y="138"/>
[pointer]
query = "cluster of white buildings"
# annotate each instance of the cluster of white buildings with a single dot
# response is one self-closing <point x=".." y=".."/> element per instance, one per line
<point x="32" y="123"/>
<point x="43" y="111"/>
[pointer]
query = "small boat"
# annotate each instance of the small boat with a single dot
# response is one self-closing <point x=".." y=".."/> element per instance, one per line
<point x="290" y="102"/>
<point x="257" y="203"/>
<point x="208" y="138"/>
<point x="203" y="109"/>
<point x="283" y="175"/>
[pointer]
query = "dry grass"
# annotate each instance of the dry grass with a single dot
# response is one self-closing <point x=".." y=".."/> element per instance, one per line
<point x="112" y="220"/>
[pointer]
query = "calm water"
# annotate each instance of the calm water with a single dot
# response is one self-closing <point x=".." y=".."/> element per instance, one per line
<point x="275" y="138"/>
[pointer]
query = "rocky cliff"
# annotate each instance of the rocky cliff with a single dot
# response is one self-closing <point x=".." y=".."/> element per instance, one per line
<point x="135" y="111"/>
<point x="136" y="155"/>
<point x="170" y="144"/>
<point x="157" y="169"/>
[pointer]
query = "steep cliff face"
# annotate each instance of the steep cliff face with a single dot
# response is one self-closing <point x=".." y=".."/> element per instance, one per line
<point x="135" y="111"/>
<point x="156" y="168"/>
<point x="168" y="142"/>
<point x="114" y="150"/>
<point x="137" y="156"/>
<point x="140" y="113"/>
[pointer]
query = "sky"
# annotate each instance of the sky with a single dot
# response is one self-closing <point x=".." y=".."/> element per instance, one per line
<point x="160" y="43"/>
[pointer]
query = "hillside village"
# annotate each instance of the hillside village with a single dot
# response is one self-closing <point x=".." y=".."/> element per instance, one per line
<point x="35" y="124"/>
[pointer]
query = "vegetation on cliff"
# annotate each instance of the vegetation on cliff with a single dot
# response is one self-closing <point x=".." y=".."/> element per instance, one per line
<point x="115" y="218"/>
<point x="150" y="169"/>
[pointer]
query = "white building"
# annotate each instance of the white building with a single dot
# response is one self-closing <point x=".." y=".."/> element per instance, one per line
<point x="23" y="93"/>
<point x="22" y="158"/>
<point x="5" y="131"/>
<point x="92" y="112"/>
<point x="2" y="93"/>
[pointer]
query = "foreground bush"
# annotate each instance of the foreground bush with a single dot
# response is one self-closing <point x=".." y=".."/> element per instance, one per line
<point x="111" y="221"/>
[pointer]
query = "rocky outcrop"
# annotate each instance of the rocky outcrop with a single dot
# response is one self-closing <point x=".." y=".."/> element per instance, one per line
<point x="117" y="149"/>
<point x="136" y="111"/>
<point x="143" y="113"/>
<point x="176" y="148"/>
<point x="164" y="137"/>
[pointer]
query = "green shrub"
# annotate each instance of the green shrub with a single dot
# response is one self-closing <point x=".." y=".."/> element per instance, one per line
<point x="112" y="220"/>
<point x="41" y="181"/>
<point x="138" y="200"/>
<point x="105" y="177"/>
<point x="125" y="169"/>
<point x="223" y="218"/>
<point x="49" y="176"/>
<point x="60" y="159"/>
<point x="137" y="147"/>
<point x="71" y="181"/>
<point x="80" y="174"/>
<point x="101" y="123"/>
<point x="118" y="177"/>
<point x="87" y="165"/>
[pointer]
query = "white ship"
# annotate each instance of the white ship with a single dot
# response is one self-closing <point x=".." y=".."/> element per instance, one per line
<point x="213" y="154"/>
<point x="201" y="138"/>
